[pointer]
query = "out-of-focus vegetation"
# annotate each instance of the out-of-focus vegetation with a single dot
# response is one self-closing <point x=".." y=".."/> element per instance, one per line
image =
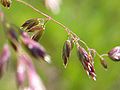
<point x="97" y="22"/>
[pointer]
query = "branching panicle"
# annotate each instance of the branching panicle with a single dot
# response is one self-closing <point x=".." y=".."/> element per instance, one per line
<point x="26" y="45"/>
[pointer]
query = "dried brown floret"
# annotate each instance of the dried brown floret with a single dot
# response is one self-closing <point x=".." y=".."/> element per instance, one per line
<point x="67" y="47"/>
<point x="6" y="3"/>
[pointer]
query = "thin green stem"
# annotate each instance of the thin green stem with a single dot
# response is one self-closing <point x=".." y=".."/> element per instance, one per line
<point x="25" y="3"/>
<point x="103" y="55"/>
<point x="84" y="44"/>
<point x="98" y="55"/>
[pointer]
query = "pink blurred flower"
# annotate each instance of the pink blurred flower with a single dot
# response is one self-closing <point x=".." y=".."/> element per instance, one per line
<point x="34" y="81"/>
<point x="114" y="54"/>
<point x="27" y="70"/>
<point x="35" y="48"/>
<point x="1" y="16"/>
<point x="20" y="74"/>
<point x="53" y="5"/>
<point x="4" y="58"/>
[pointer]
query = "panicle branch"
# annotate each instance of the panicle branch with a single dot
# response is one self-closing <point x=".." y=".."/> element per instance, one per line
<point x="26" y="45"/>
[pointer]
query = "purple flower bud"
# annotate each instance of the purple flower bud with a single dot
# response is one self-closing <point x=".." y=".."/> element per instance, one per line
<point x="35" y="49"/>
<point x="82" y="54"/>
<point x="4" y="57"/>
<point x="87" y="62"/>
<point x="114" y="54"/>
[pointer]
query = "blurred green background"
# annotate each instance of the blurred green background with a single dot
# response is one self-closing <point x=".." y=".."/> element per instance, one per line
<point x="97" y="22"/>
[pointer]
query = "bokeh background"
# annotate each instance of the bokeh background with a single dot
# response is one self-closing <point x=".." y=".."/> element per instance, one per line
<point x="97" y="22"/>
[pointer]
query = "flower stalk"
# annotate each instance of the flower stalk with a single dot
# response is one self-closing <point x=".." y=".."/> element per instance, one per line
<point x="36" y="26"/>
<point x="75" y="39"/>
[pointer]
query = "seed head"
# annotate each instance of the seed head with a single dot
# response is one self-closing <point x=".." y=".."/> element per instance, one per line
<point x="30" y="23"/>
<point x="114" y="54"/>
<point x="36" y="28"/>
<point x="87" y="62"/>
<point x="6" y="3"/>
<point x="38" y="34"/>
<point x="67" y="47"/>
<point x="103" y="62"/>
<point x="34" y="24"/>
